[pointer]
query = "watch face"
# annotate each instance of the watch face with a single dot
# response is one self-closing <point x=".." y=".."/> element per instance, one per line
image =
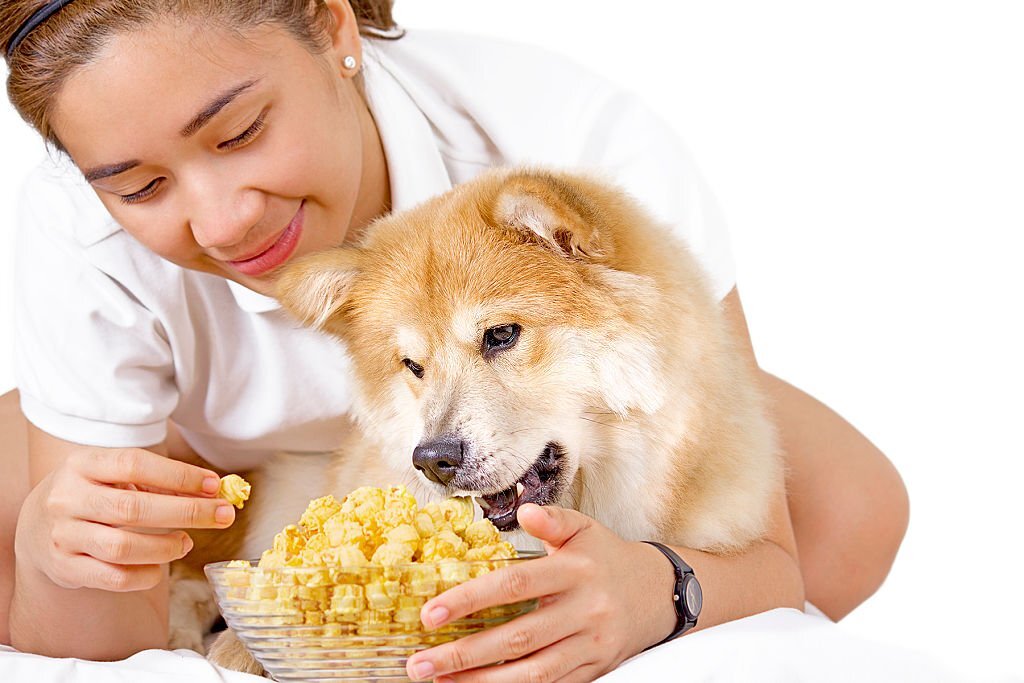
<point x="693" y="596"/>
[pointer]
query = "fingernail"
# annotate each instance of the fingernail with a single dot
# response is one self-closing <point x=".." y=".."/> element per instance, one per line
<point x="211" y="485"/>
<point x="187" y="545"/>
<point x="224" y="514"/>
<point x="421" y="671"/>
<point x="540" y="509"/>
<point x="438" y="615"/>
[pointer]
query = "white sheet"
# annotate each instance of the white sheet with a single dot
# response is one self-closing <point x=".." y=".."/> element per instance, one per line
<point x="783" y="645"/>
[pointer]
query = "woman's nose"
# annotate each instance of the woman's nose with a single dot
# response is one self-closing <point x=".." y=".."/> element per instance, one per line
<point x="221" y="214"/>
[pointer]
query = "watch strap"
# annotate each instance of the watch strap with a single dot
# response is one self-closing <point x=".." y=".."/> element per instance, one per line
<point x="684" y="621"/>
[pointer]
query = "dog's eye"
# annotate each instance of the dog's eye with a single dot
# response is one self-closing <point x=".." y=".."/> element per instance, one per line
<point x="414" y="367"/>
<point x="500" y="338"/>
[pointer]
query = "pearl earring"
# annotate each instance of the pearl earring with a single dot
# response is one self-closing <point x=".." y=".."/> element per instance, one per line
<point x="349" y="62"/>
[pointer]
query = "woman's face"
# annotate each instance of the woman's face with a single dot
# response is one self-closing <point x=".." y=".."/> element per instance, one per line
<point x="223" y="154"/>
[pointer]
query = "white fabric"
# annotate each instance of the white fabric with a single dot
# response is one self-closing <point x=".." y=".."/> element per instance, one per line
<point x="111" y="341"/>
<point x="782" y="645"/>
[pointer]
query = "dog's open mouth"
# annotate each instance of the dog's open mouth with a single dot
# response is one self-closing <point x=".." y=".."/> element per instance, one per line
<point x="539" y="485"/>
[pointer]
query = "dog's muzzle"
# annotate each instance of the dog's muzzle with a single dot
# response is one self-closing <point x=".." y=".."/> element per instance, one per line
<point x="439" y="459"/>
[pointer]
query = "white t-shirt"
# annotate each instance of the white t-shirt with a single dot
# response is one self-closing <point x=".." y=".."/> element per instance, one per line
<point x="112" y="341"/>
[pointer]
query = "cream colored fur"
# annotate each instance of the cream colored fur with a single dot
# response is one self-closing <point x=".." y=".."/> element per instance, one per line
<point x="624" y="358"/>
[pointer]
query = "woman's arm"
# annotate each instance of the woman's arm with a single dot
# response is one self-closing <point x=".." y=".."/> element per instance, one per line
<point x="14" y="465"/>
<point x="89" y="583"/>
<point x="833" y="537"/>
<point x="848" y="505"/>
<point x="602" y="600"/>
<point x="88" y="623"/>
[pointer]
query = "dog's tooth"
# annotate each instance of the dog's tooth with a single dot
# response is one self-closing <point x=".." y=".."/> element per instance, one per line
<point x="519" y="489"/>
<point x="482" y="503"/>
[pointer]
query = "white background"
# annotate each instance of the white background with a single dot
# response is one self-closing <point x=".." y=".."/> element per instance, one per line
<point x="869" y="158"/>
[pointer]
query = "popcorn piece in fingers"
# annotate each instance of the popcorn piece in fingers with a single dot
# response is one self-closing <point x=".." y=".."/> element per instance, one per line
<point x="235" y="490"/>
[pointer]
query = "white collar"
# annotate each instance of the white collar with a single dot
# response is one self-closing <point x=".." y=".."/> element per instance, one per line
<point x="415" y="167"/>
<point x="252" y="301"/>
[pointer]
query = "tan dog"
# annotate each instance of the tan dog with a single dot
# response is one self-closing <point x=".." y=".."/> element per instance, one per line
<point x="539" y="329"/>
<point x="536" y="337"/>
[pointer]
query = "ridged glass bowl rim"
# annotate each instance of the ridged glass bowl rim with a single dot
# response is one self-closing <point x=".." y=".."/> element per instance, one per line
<point x="215" y="570"/>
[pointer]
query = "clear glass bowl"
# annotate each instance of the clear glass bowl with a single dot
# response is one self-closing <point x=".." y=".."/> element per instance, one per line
<point x="328" y="624"/>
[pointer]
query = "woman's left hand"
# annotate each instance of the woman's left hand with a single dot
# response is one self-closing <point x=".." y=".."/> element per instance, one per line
<point x="602" y="600"/>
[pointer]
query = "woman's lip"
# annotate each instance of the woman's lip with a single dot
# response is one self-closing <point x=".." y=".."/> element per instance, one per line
<point x="277" y="253"/>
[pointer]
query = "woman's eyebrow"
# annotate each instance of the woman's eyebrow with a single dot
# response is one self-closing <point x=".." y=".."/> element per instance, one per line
<point x="190" y="129"/>
<point x="214" y="107"/>
<point x="100" y="172"/>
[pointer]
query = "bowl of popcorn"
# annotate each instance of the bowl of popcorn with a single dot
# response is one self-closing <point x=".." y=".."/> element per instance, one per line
<point x="339" y="594"/>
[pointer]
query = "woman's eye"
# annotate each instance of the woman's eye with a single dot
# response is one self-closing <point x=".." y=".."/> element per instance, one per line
<point x="414" y="367"/>
<point x="249" y="133"/>
<point x="143" y="194"/>
<point x="500" y="338"/>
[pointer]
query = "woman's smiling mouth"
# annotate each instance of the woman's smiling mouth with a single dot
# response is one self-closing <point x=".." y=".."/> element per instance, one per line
<point x="277" y="253"/>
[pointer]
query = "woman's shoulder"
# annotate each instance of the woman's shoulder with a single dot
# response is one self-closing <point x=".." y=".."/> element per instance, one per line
<point x="453" y="53"/>
<point x="67" y="241"/>
<point x="56" y="199"/>
<point x="523" y="101"/>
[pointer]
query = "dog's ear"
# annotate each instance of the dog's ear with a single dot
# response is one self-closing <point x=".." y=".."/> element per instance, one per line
<point x="550" y="208"/>
<point x="316" y="287"/>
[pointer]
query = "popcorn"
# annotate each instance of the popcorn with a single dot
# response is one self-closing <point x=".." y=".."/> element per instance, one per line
<point x="495" y="551"/>
<point x="343" y="531"/>
<point x="234" y="490"/>
<point x="367" y="564"/>
<point x="289" y="541"/>
<point x="405" y="534"/>
<point x="443" y="546"/>
<point x="407" y="610"/>
<point x="348" y="602"/>
<point x="399" y="508"/>
<point x="420" y="580"/>
<point x="451" y="513"/>
<point x="236" y="576"/>
<point x="453" y="573"/>
<point x="318" y="512"/>
<point x="364" y="504"/>
<point x="481" y="533"/>
<point x="391" y="554"/>
<point x="344" y="556"/>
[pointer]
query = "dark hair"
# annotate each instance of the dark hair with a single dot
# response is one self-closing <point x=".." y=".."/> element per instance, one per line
<point x="71" y="38"/>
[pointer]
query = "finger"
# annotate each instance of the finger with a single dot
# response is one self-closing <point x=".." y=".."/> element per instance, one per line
<point x="549" y="664"/>
<point x="121" y="546"/>
<point x="82" y="571"/>
<point x="553" y="525"/>
<point x="513" y="583"/>
<point x="147" y="470"/>
<point x="510" y="640"/>
<point x="155" y="511"/>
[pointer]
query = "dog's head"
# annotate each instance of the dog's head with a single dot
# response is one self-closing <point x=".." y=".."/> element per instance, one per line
<point x="490" y="333"/>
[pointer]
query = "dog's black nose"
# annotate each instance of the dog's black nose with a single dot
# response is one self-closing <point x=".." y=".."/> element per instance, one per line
<point x="439" y="459"/>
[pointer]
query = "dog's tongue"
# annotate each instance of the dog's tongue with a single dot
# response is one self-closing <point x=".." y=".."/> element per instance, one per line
<point x="500" y="504"/>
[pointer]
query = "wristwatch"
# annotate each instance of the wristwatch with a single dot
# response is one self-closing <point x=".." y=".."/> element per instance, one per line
<point x="686" y="595"/>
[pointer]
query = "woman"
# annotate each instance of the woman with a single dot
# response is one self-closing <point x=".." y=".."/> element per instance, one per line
<point x="219" y="140"/>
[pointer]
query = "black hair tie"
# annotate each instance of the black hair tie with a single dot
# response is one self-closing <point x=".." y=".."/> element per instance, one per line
<point x="41" y="15"/>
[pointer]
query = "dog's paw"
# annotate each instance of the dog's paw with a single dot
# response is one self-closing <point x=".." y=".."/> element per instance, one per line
<point x="186" y="638"/>
<point x="192" y="609"/>
<point x="227" y="651"/>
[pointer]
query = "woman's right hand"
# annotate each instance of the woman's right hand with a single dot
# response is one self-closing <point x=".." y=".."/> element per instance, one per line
<point x="109" y="518"/>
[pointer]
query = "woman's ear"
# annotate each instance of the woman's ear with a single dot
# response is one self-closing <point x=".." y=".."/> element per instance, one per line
<point x="346" y="51"/>
<point x="316" y="288"/>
